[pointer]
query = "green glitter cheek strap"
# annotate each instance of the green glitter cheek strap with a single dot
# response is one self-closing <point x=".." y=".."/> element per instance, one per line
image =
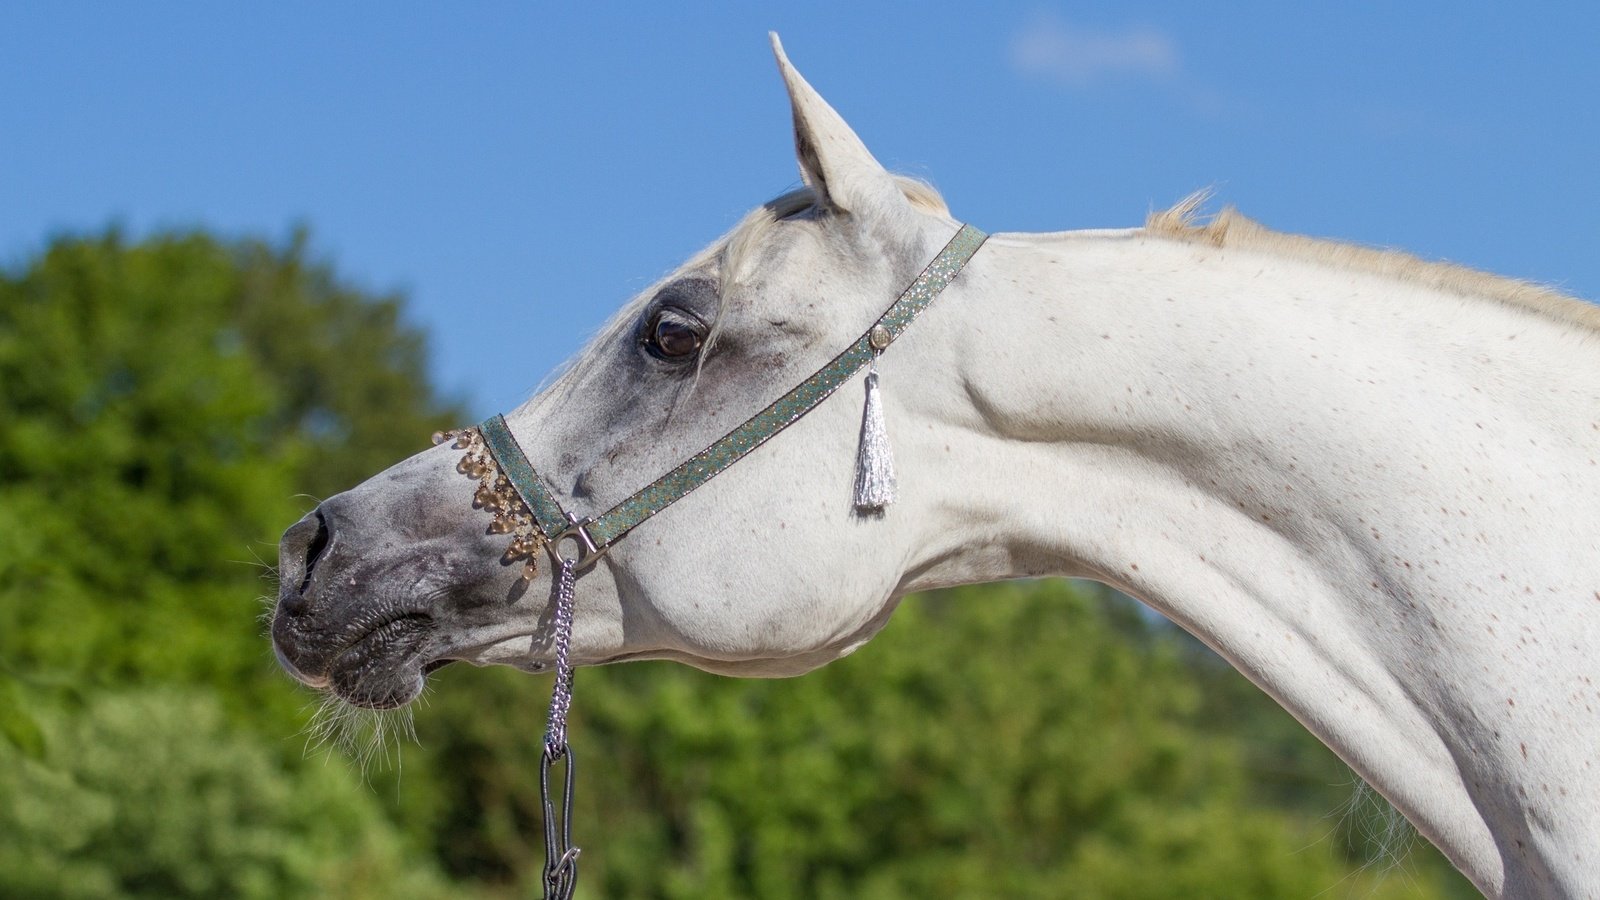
<point x="581" y="541"/>
<point x="524" y="508"/>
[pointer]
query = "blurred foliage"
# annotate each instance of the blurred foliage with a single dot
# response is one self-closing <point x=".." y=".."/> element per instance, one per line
<point x="165" y="407"/>
<point x="164" y="404"/>
<point x="1036" y="739"/>
<point x="150" y="793"/>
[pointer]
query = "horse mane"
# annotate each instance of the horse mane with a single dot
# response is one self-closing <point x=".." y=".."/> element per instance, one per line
<point x="1230" y="228"/>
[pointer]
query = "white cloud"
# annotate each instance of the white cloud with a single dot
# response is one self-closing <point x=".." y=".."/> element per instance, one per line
<point x="1052" y="49"/>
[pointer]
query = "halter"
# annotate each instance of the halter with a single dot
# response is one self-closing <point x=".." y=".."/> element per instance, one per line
<point x="524" y="507"/>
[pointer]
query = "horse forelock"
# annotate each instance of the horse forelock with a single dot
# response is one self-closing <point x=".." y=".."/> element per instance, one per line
<point x="1185" y="221"/>
<point x="737" y="247"/>
<point x="731" y="255"/>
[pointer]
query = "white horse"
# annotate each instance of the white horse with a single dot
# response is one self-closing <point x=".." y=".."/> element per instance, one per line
<point x="1372" y="483"/>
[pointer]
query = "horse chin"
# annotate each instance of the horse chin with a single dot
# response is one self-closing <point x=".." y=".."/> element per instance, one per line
<point x="385" y="668"/>
<point x="385" y="693"/>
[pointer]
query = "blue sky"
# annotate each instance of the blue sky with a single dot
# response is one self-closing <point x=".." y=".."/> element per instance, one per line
<point x="519" y="170"/>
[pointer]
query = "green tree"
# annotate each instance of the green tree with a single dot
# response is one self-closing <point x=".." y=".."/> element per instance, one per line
<point x="1022" y="740"/>
<point x="150" y="793"/>
<point x="162" y="404"/>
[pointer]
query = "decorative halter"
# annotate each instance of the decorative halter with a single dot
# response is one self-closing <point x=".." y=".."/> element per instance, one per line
<point x="523" y="507"/>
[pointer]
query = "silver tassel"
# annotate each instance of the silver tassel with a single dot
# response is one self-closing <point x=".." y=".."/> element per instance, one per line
<point x="875" y="487"/>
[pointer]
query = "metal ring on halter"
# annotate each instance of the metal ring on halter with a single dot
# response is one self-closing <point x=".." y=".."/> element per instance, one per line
<point x="577" y="532"/>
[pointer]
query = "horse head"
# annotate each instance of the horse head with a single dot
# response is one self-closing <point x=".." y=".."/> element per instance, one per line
<point x="766" y="570"/>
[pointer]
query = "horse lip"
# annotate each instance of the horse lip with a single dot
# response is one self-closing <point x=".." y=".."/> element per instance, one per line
<point x="319" y="682"/>
<point x="316" y="658"/>
<point x="369" y="670"/>
<point x="412" y="624"/>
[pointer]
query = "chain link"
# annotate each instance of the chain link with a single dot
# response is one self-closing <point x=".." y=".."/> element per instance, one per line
<point x="561" y="591"/>
<point x="560" y="857"/>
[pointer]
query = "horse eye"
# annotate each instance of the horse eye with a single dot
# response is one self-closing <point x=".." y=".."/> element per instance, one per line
<point x="673" y="338"/>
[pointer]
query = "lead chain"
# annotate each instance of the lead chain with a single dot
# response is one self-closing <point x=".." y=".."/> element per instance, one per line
<point x="560" y="857"/>
<point x="561" y="589"/>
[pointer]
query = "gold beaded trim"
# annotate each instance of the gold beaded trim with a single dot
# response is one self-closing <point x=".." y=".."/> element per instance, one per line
<point x="496" y="495"/>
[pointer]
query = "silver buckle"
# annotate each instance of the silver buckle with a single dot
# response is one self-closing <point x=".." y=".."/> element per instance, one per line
<point x="577" y="532"/>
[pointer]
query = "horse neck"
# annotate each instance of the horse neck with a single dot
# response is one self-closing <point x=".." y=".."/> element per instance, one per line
<point x="1343" y="482"/>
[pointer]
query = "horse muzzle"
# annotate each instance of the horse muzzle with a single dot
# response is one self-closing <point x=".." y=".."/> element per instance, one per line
<point x="338" y="627"/>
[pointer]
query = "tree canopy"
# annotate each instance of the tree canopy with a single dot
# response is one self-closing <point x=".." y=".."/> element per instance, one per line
<point x="168" y="405"/>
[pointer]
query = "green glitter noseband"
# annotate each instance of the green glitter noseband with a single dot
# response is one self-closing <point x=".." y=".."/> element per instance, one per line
<point x="524" y="507"/>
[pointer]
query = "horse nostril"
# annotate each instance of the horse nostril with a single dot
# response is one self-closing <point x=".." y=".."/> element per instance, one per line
<point x="319" y="543"/>
<point x="303" y="544"/>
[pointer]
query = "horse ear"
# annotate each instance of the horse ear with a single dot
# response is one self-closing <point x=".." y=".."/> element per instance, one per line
<point x="833" y="161"/>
